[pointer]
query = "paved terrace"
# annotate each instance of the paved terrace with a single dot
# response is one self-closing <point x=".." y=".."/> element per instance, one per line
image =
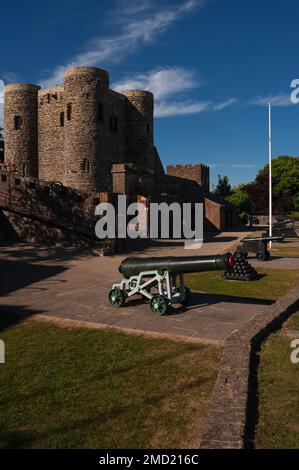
<point x="73" y="284"/>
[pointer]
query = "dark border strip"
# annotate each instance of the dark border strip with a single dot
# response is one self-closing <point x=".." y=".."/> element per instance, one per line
<point x="233" y="410"/>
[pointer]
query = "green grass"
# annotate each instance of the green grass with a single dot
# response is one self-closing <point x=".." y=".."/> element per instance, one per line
<point x="295" y="215"/>
<point x="278" y="378"/>
<point x="285" y="250"/>
<point x="64" y="387"/>
<point x="272" y="284"/>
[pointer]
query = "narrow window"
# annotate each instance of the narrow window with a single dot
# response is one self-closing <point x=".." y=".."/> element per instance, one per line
<point x="85" y="166"/>
<point x="148" y="128"/>
<point x="113" y="123"/>
<point x="25" y="169"/>
<point x="62" y="119"/>
<point x="100" y="113"/>
<point x="3" y="178"/>
<point x="17" y="123"/>
<point x="69" y="111"/>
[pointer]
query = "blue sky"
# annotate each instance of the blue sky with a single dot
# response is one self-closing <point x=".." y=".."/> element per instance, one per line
<point x="212" y="65"/>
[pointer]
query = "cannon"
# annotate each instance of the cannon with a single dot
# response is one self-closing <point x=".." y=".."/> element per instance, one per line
<point x="160" y="281"/>
<point x="284" y="228"/>
<point x="257" y="245"/>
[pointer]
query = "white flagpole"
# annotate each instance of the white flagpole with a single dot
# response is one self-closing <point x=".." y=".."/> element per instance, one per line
<point x="270" y="175"/>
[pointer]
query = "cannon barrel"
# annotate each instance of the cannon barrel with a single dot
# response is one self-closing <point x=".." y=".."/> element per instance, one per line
<point x="261" y="239"/>
<point x="183" y="264"/>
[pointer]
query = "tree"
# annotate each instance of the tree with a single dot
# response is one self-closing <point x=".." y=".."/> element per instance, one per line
<point x="285" y="182"/>
<point x="241" y="200"/>
<point x="223" y="188"/>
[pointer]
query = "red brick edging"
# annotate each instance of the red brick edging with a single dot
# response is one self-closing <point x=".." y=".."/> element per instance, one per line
<point x="231" y="410"/>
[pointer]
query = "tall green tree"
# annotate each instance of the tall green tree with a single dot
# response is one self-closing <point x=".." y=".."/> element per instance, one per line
<point x="241" y="200"/>
<point x="223" y="188"/>
<point x="285" y="185"/>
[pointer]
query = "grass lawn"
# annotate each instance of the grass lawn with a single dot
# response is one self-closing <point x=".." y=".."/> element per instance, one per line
<point x="272" y="284"/>
<point x="285" y="249"/>
<point x="81" y="388"/>
<point x="278" y="378"/>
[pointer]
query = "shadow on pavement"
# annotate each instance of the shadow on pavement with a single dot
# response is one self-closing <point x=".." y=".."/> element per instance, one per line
<point x="12" y="314"/>
<point x="16" y="275"/>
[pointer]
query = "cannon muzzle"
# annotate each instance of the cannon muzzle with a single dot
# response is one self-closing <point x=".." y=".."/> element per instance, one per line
<point x="183" y="264"/>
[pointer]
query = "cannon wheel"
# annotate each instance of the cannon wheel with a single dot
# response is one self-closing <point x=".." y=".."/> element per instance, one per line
<point x="159" y="305"/>
<point x="268" y="254"/>
<point x="188" y="296"/>
<point x="117" y="297"/>
<point x="262" y="256"/>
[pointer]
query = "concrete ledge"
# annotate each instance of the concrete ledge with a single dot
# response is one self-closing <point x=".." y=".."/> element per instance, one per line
<point x="232" y="413"/>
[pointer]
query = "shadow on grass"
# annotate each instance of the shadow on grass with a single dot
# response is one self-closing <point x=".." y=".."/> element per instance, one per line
<point x="17" y="439"/>
<point x="252" y="412"/>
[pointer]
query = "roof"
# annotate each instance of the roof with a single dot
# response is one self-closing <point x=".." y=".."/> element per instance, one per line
<point x="212" y="197"/>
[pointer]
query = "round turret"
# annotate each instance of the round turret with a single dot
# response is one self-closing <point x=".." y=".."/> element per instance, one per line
<point x="140" y="142"/>
<point x="85" y="91"/>
<point x="20" y="123"/>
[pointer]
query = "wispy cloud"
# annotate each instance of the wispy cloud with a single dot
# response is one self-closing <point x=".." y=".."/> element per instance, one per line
<point x="161" y="82"/>
<point x="239" y="165"/>
<point x="279" y="100"/>
<point x="168" y="109"/>
<point x="168" y="82"/>
<point x="141" y="24"/>
<point x="225" y="104"/>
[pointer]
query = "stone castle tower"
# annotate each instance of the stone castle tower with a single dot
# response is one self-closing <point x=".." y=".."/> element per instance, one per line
<point x="73" y="133"/>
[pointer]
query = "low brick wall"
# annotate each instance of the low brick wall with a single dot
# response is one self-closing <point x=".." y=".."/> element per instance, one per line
<point x="232" y="413"/>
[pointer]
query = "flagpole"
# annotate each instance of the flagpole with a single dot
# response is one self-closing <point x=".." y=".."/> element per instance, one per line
<point x="270" y="174"/>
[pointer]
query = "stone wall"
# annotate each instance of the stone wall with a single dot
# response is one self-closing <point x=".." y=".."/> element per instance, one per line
<point x="1" y="151"/>
<point x="199" y="173"/>
<point x="233" y="412"/>
<point x="50" y="134"/>
<point x="47" y="212"/>
<point x="21" y="130"/>
<point x="75" y="132"/>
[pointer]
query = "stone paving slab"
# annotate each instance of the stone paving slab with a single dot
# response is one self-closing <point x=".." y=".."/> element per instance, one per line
<point x="275" y="262"/>
<point x="72" y="284"/>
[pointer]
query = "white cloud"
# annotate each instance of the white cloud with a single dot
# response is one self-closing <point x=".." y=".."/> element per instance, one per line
<point x="166" y="83"/>
<point x="135" y="6"/>
<point x="138" y="28"/>
<point x="276" y="100"/>
<point x="224" y="104"/>
<point x="167" y="109"/>
<point x="161" y="82"/>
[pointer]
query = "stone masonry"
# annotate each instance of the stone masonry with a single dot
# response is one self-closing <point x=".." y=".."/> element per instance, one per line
<point x="87" y="137"/>
<point x="199" y="173"/>
<point x="73" y="133"/>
